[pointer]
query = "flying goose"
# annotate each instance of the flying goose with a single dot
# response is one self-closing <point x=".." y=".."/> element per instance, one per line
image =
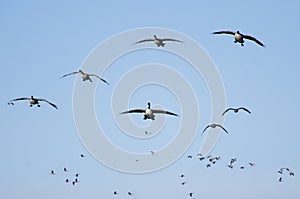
<point x="158" y="41"/>
<point x="85" y="76"/>
<point x="236" y="110"/>
<point x="239" y="37"/>
<point x="32" y="101"/>
<point x="149" y="113"/>
<point x="214" y="126"/>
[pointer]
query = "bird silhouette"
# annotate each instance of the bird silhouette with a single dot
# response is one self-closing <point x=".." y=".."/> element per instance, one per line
<point x="214" y="126"/>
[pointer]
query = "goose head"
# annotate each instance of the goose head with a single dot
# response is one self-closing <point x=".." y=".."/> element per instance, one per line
<point x="238" y="32"/>
<point x="31" y="97"/>
<point x="149" y="105"/>
<point x="155" y="37"/>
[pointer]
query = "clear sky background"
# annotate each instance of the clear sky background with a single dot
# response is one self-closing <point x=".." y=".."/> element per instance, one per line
<point x="42" y="41"/>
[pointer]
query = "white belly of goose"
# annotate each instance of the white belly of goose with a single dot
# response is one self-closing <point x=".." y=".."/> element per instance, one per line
<point x="148" y="112"/>
<point x="238" y="37"/>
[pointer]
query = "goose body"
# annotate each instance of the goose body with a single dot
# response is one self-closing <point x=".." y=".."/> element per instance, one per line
<point x="32" y="101"/>
<point x="149" y="113"/>
<point x="85" y="76"/>
<point x="239" y="37"/>
<point x="158" y="41"/>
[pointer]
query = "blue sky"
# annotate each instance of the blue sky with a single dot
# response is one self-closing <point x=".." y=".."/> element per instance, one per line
<point x="42" y="41"/>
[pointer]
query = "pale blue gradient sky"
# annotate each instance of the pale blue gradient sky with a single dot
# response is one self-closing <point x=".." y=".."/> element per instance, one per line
<point x="43" y="40"/>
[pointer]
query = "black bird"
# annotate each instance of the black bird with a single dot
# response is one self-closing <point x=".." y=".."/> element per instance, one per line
<point x="191" y="194"/>
<point x="129" y="193"/>
<point x="280" y="179"/>
<point x="52" y="172"/>
<point x="158" y="41"/>
<point x="76" y="175"/>
<point x="239" y="37"/>
<point x="67" y="180"/>
<point x="214" y="126"/>
<point x="65" y="169"/>
<point x="115" y="192"/>
<point x="189" y="156"/>
<point x="183" y="183"/>
<point x="32" y="101"/>
<point x="181" y="175"/>
<point x="81" y="155"/>
<point x="236" y="110"/>
<point x="149" y="113"/>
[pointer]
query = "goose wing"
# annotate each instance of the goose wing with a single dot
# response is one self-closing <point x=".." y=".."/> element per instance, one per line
<point x="205" y="129"/>
<point x="170" y="39"/>
<point x="219" y="125"/>
<point x="94" y="75"/>
<point x="229" y="109"/>
<point x="69" y="74"/>
<point x="134" y="111"/>
<point x="17" y="99"/>
<point x="44" y="100"/>
<point x="144" y="40"/>
<point x="224" y="32"/>
<point x="253" y="39"/>
<point x="245" y="109"/>
<point x="164" y="112"/>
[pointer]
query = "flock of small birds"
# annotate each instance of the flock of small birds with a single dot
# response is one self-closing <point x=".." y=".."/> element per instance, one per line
<point x="67" y="171"/>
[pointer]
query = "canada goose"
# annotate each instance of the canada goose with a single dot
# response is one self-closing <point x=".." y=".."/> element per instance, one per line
<point x="239" y="37"/>
<point x="32" y="101"/>
<point x="149" y="113"/>
<point x="67" y="180"/>
<point x="242" y="167"/>
<point x="115" y="192"/>
<point x="181" y="175"/>
<point x="65" y="169"/>
<point x="190" y="156"/>
<point x="158" y="41"/>
<point x="76" y="175"/>
<point x="191" y="194"/>
<point x="183" y="183"/>
<point x="214" y="126"/>
<point x="85" y="76"/>
<point x="81" y="155"/>
<point x="236" y="110"/>
<point x="130" y="193"/>
<point x="52" y="172"/>
<point x="280" y="179"/>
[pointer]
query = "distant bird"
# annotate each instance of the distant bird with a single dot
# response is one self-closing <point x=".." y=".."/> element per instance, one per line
<point x="181" y="175"/>
<point x="152" y="152"/>
<point x="183" y="183"/>
<point x="32" y="101"/>
<point x="76" y="180"/>
<point x="239" y="37"/>
<point x="214" y="126"/>
<point x="52" y="172"/>
<point x="65" y="169"/>
<point x="201" y="158"/>
<point x="291" y="173"/>
<point x="129" y="193"/>
<point x="76" y="175"/>
<point x="67" y="180"/>
<point x="242" y="167"/>
<point x="115" y="192"/>
<point x="236" y="110"/>
<point x="85" y="76"/>
<point x="208" y="165"/>
<point x="81" y="155"/>
<point x="191" y="194"/>
<point x="190" y="156"/>
<point x="149" y="113"/>
<point x="280" y="179"/>
<point x="158" y="41"/>
<point x="73" y="183"/>
<point x="230" y="166"/>
<point x="252" y="164"/>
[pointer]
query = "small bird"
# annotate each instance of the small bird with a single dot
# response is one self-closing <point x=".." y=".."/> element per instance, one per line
<point x="291" y="173"/>
<point x="67" y="180"/>
<point x="191" y="194"/>
<point x="214" y="126"/>
<point x="81" y="155"/>
<point x="230" y="166"/>
<point x="149" y="113"/>
<point x="189" y="156"/>
<point x="76" y="175"/>
<point x="236" y="110"/>
<point x="52" y="172"/>
<point x="183" y="183"/>
<point x="182" y="176"/>
<point x="239" y="37"/>
<point x="32" y="101"/>
<point x="73" y="183"/>
<point x="129" y="193"/>
<point x="242" y="167"/>
<point x="115" y="192"/>
<point x="208" y="165"/>
<point x="152" y="152"/>
<point x="252" y="164"/>
<point x="158" y="41"/>
<point x="76" y="180"/>
<point x="280" y="179"/>
<point x="85" y="76"/>
<point x="65" y="169"/>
